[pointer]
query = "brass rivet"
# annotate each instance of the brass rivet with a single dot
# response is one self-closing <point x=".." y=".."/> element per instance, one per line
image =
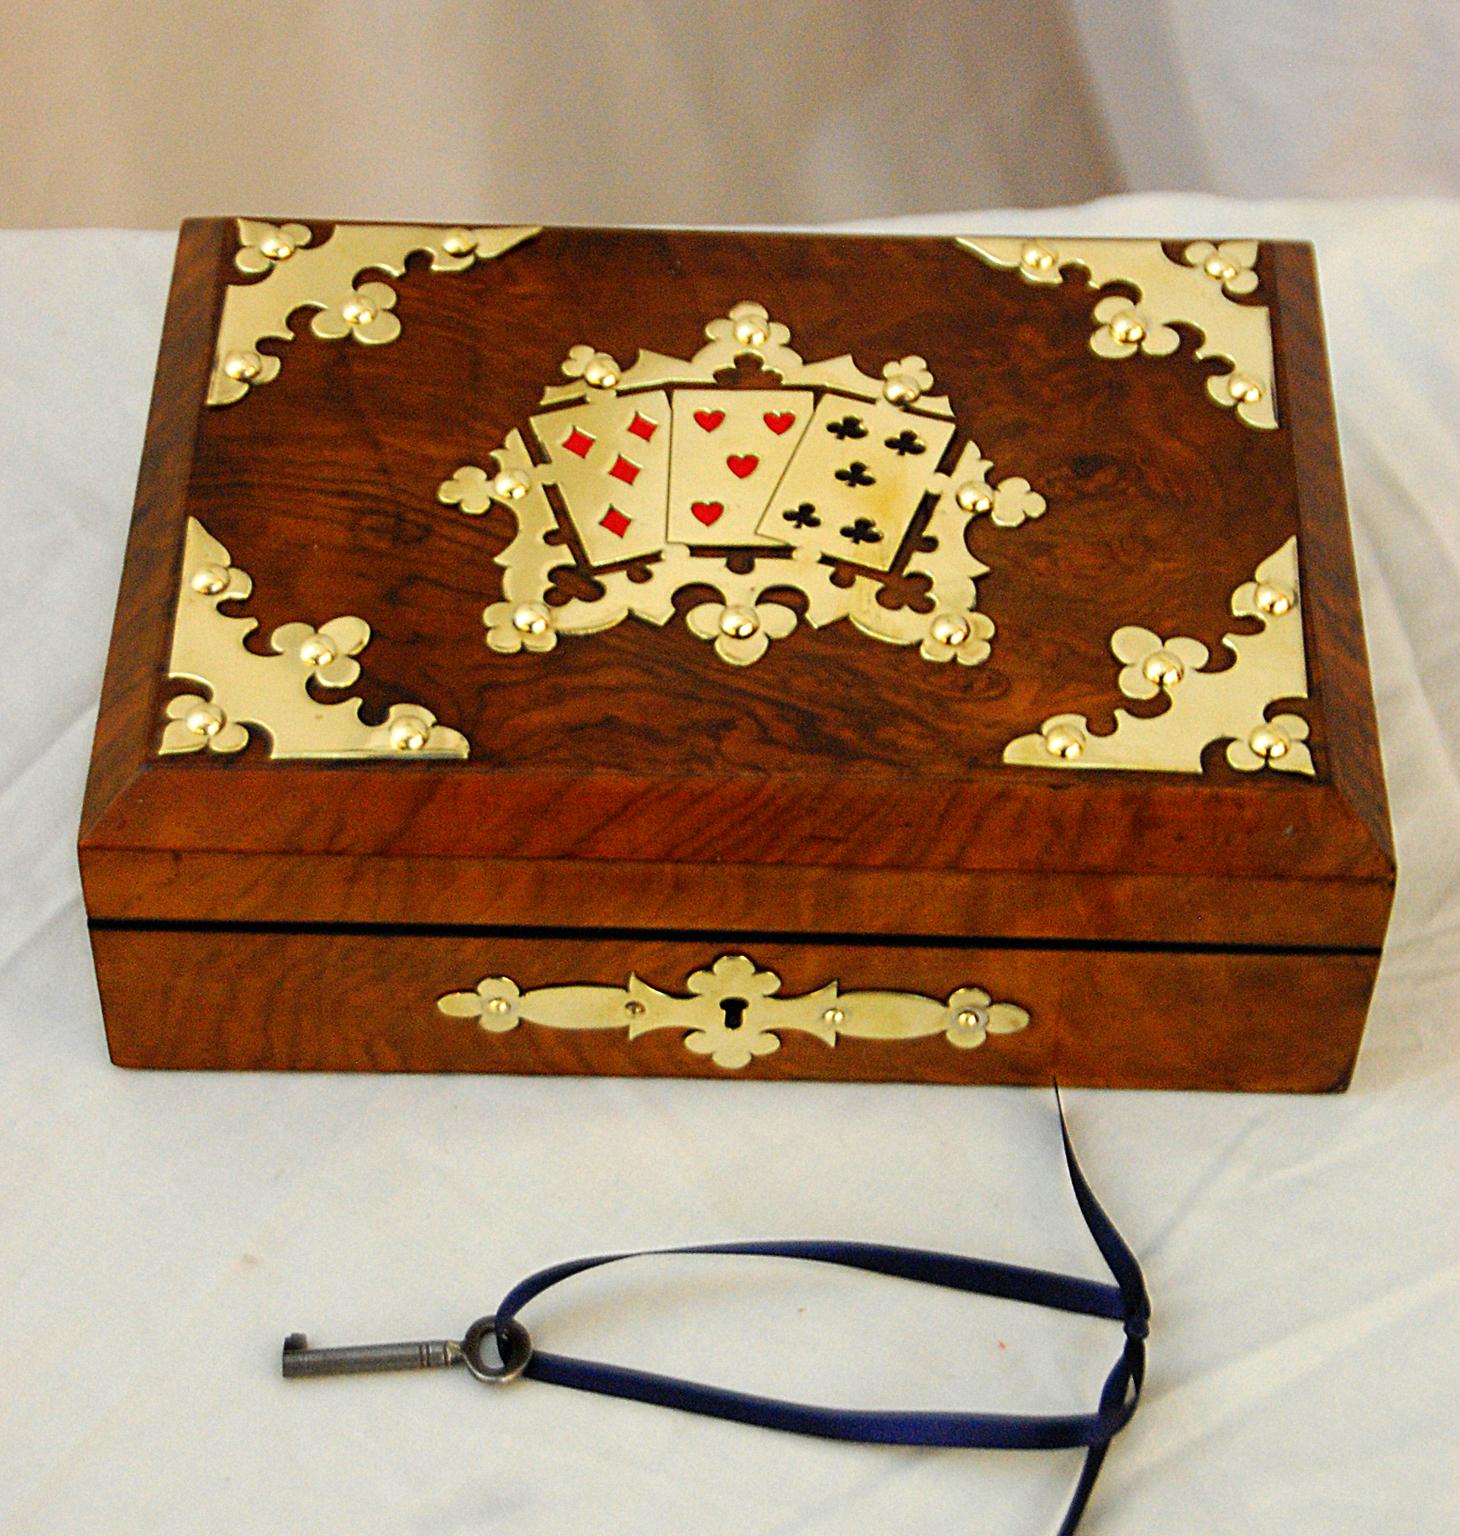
<point x="902" y="389"/>
<point x="1127" y="328"/>
<point x="949" y="629"/>
<point x="969" y="1018"/>
<point x="973" y="496"/>
<point x="531" y="619"/>
<point x="317" y="651"/>
<point x="1220" y="268"/>
<point x="1038" y="256"/>
<point x="1065" y="741"/>
<point x="601" y="373"/>
<point x="243" y="365"/>
<point x="409" y="733"/>
<point x="1164" y="668"/>
<point x="357" y="311"/>
<point x="1270" y="741"/>
<point x="276" y="247"/>
<point x="739" y="623"/>
<point x="1244" y="390"/>
<point x="834" y="1016"/>
<point x="511" y="484"/>
<point x="458" y="242"/>
<point x="498" y="1005"/>
<point x="751" y="333"/>
<point x="1272" y="598"/>
<point x="634" y="1007"/>
<point x="206" y="720"/>
<point x="209" y="579"/>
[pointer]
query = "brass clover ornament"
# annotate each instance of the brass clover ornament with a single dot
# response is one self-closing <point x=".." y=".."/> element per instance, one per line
<point x="1197" y="291"/>
<point x="272" y="693"/>
<point x="734" y="1012"/>
<point x="1228" y="704"/>
<point x="751" y="492"/>
<point x="295" y="274"/>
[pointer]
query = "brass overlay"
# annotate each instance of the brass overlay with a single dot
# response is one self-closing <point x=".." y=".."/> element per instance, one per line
<point x="832" y="470"/>
<point x="732" y="1013"/>
<point x="272" y="692"/>
<point x="1193" y="292"/>
<point x="294" y="274"/>
<point x="1203" y="707"/>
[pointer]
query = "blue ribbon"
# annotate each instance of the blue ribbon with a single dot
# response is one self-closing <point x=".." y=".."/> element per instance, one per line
<point x="1125" y="1301"/>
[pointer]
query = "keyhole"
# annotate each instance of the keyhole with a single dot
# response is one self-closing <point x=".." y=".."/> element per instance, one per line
<point x="734" y="1011"/>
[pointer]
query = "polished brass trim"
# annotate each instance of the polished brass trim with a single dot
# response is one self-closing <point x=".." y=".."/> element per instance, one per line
<point x="732" y="1013"/>
<point x="297" y="274"/>
<point x="676" y="464"/>
<point x="1203" y="707"/>
<point x="271" y="693"/>
<point x="1194" y="291"/>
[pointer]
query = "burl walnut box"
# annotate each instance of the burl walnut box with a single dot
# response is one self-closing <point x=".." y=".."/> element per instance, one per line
<point x="740" y="656"/>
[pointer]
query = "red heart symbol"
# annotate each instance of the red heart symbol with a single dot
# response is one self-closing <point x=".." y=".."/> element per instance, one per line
<point x="707" y="511"/>
<point x="742" y="464"/>
<point x="779" y="421"/>
<point x="709" y="420"/>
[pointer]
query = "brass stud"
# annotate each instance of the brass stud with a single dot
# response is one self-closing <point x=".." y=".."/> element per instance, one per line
<point x="206" y="720"/>
<point x="511" y="485"/>
<point x="902" y="389"/>
<point x="739" y="623"/>
<point x="751" y="333"/>
<point x="458" y="242"/>
<point x="357" y="310"/>
<point x="1127" y="328"/>
<point x="1243" y="390"/>
<point x="531" y="619"/>
<point x="949" y="629"/>
<point x="1164" y="668"/>
<point x="409" y="733"/>
<point x="1270" y="742"/>
<point x="243" y="366"/>
<point x="634" y="1007"/>
<point x="974" y="496"/>
<point x="208" y="579"/>
<point x="277" y="247"/>
<point x="317" y="651"/>
<point x="1219" y="268"/>
<point x="1036" y="256"/>
<point x="971" y="1018"/>
<point x="1065" y="741"/>
<point x="1272" y="598"/>
<point x="600" y="373"/>
<point x="498" y="1005"/>
<point x="834" y="1016"/>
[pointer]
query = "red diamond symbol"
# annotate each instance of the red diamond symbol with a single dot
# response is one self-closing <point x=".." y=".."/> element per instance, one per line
<point x="625" y="470"/>
<point x="641" y="426"/>
<point x="578" y="442"/>
<point x="616" y="523"/>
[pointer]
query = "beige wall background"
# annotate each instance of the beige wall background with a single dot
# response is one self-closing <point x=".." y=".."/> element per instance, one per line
<point x="651" y="111"/>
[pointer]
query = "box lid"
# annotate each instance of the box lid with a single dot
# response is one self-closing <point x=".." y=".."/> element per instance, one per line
<point x="588" y="579"/>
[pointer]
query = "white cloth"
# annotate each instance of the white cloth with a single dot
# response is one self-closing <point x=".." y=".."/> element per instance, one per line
<point x="160" y="1233"/>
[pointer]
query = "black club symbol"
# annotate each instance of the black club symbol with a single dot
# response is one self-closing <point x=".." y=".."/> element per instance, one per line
<point x="855" y="474"/>
<point x="803" y="516"/>
<point x="906" y="442"/>
<point x="862" y="532"/>
<point x="848" y="426"/>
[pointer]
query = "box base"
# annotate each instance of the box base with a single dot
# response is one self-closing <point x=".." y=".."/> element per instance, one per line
<point x="363" y="1000"/>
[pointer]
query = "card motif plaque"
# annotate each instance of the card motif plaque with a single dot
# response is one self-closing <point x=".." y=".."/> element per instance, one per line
<point x="793" y="503"/>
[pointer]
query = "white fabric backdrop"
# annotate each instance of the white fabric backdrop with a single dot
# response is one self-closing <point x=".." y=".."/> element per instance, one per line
<point x="716" y="111"/>
<point x="159" y="1234"/>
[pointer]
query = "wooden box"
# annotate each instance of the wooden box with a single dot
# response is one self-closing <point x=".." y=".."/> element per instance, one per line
<point x="743" y="656"/>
